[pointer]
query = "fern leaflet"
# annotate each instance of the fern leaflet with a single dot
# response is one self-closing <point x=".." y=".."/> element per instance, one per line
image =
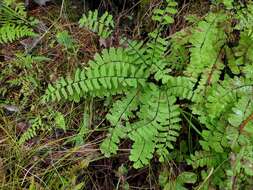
<point x="103" y="25"/>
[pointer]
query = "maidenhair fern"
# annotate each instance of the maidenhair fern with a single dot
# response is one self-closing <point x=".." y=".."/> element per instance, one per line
<point x="158" y="127"/>
<point x="10" y="33"/>
<point x="215" y="88"/>
<point x="203" y="158"/>
<point x="43" y="123"/>
<point x="36" y="125"/>
<point x="121" y="112"/>
<point x="164" y="16"/>
<point x="103" y="25"/>
<point x="112" y="71"/>
<point x="127" y="71"/>
<point x="13" y="22"/>
<point x="222" y="101"/>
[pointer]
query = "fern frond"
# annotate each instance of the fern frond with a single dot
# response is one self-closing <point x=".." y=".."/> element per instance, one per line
<point x="165" y="16"/>
<point x="36" y="126"/>
<point x="155" y="51"/>
<point x="122" y="109"/>
<point x="180" y="87"/>
<point x="111" y="55"/>
<point x="207" y="41"/>
<point x="112" y="70"/>
<point x="220" y="96"/>
<point x="110" y="144"/>
<point x="203" y="158"/>
<point x="103" y="25"/>
<point x="66" y="40"/>
<point x="245" y="18"/>
<point x="178" y="57"/>
<point x="10" y="33"/>
<point x="120" y="112"/>
<point x="135" y="50"/>
<point x="214" y="138"/>
<point x="14" y="14"/>
<point x="169" y="126"/>
<point x="243" y="56"/>
<point x="96" y="81"/>
<point x="144" y="143"/>
<point x="242" y="115"/>
<point x="157" y="129"/>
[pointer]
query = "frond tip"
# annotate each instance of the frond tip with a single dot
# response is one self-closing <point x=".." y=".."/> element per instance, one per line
<point x="10" y="33"/>
<point x="109" y="73"/>
<point x="103" y="25"/>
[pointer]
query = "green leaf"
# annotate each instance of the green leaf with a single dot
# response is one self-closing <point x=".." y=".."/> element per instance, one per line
<point x="60" y="121"/>
<point x="187" y="177"/>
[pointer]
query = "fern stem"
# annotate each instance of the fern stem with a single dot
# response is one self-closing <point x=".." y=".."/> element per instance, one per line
<point x="246" y="121"/>
<point x="209" y="175"/>
<point x="190" y="123"/>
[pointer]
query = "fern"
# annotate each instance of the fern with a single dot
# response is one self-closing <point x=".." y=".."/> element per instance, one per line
<point x="164" y="16"/>
<point x="43" y="123"/>
<point x="207" y="41"/>
<point x="227" y="3"/>
<point x="103" y="25"/>
<point x="11" y="12"/>
<point x="110" y="144"/>
<point x="36" y="125"/>
<point x="151" y="93"/>
<point x="121" y="112"/>
<point x="178" y="55"/>
<point x="203" y="158"/>
<point x="180" y="87"/>
<point x="157" y="134"/>
<point x="241" y="120"/>
<point x="115" y="75"/>
<point x="143" y="147"/>
<point x="155" y="50"/>
<point x="64" y="39"/>
<point x="13" y="22"/>
<point x="245" y="17"/>
<point x="170" y="182"/>
<point x="127" y="71"/>
<point x="157" y="129"/>
<point x="241" y="58"/>
<point x="10" y="33"/>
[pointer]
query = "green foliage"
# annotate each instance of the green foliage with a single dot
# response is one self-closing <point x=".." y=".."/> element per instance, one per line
<point x="164" y="16"/>
<point x="209" y="159"/>
<point x="10" y="33"/>
<point x="157" y="129"/>
<point x="227" y="3"/>
<point x="64" y="39"/>
<point x="82" y="131"/>
<point x="112" y="70"/>
<point x="13" y="22"/>
<point x="19" y="76"/>
<point x="212" y="83"/>
<point x="60" y="121"/>
<point x="13" y="12"/>
<point x="43" y="123"/>
<point x="167" y="182"/>
<point x="245" y="17"/>
<point x="103" y="25"/>
<point x="117" y="71"/>
<point x="119" y="113"/>
<point x="207" y="41"/>
<point x="36" y="125"/>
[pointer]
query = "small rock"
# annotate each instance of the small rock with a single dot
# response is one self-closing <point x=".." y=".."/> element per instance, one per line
<point x="11" y="108"/>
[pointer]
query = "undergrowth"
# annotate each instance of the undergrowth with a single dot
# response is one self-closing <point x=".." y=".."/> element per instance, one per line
<point x="178" y="107"/>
